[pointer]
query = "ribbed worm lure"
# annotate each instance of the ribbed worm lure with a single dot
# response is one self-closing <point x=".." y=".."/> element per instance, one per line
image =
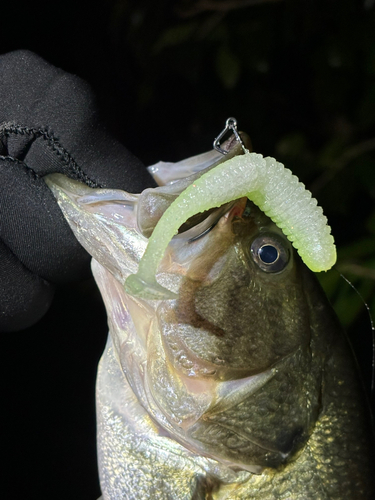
<point x="264" y="181"/>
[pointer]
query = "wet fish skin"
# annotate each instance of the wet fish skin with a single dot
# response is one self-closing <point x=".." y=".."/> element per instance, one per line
<point x="328" y="467"/>
<point x="338" y="459"/>
<point x="192" y="402"/>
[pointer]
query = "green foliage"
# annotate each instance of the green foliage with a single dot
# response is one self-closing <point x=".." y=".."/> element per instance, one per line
<point x="228" y="67"/>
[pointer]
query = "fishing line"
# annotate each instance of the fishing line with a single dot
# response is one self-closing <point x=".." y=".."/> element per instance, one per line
<point x="372" y="331"/>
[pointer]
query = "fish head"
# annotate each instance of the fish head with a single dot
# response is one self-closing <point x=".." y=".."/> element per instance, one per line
<point x="231" y="367"/>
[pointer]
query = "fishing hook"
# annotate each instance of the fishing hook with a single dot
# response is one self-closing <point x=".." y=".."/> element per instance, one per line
<point x="230" y="125"/>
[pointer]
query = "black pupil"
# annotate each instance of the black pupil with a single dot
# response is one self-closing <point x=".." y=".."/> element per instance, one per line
<point x="268" y="254"/>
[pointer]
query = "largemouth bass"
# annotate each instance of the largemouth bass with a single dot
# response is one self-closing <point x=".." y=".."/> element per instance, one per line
<point x="242" y="386"/>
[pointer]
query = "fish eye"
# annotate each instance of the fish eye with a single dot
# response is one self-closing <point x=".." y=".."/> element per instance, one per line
<point x="270" y="252"/>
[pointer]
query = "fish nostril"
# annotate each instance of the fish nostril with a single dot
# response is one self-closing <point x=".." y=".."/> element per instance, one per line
<point x="3" y="146"/>
<point x="289" y="441"/>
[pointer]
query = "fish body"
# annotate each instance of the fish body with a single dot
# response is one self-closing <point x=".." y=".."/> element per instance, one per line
<point x="241" y="387"/>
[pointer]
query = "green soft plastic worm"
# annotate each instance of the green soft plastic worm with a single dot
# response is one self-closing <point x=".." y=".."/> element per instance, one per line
<point x="267" y="183"/>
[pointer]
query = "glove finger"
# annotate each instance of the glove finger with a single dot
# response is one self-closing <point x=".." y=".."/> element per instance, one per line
<point x="24" y="297"/>
<point x="33" y="228"/>
<point x="50" y="122"/>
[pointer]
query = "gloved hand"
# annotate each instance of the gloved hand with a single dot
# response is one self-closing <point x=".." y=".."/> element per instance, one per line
<point x="48" y="123"/>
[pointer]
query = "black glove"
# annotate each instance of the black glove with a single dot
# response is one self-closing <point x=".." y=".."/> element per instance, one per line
<point x="48" y="123"/>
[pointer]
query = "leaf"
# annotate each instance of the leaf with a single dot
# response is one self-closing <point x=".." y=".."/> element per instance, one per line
<point x="227" y="67"/>
<point x="174" y="36"/>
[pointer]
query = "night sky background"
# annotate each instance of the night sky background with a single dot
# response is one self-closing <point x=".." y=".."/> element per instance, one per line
<point x="299" y="76"/>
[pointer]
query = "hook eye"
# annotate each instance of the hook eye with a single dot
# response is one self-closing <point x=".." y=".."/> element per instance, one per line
<point x="230" y="126"/>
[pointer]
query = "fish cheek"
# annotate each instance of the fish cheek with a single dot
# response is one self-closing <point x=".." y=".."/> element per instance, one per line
<point x="261" y="318"/>
<point x="230" y="314"/>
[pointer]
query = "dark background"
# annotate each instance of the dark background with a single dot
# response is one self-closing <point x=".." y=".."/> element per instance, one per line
<point x="299" y="76"/>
